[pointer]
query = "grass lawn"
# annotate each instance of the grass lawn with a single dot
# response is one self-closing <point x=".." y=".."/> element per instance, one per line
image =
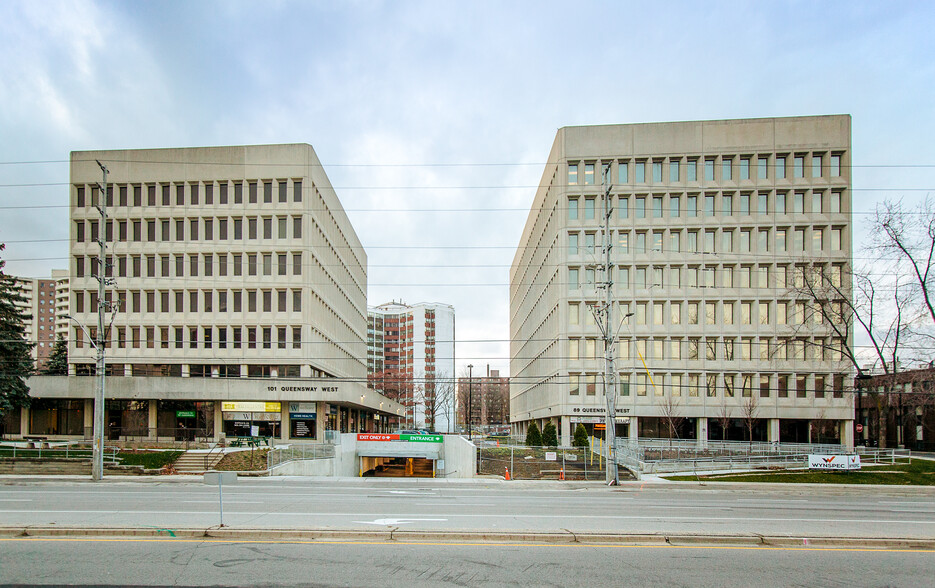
<point x="921" y="472"/>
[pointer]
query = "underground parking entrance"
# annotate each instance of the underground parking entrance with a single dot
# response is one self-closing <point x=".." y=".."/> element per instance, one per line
<point x="394" y="455"/>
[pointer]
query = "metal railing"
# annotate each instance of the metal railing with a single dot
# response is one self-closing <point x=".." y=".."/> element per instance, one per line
<point x="654" y="456"/>
<point x="54" y="450"/>
<point x="281" y="455"/>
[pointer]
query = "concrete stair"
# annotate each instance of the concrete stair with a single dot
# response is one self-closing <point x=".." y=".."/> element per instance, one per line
<point x="194" y="461"/>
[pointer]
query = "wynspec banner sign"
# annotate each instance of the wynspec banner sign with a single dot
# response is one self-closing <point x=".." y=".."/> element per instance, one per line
<point x="839" y="463"/>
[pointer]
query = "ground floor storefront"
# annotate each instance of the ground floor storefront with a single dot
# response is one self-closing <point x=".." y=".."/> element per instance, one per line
<point x="202" y="410"/>
<point x="701" y="429"/>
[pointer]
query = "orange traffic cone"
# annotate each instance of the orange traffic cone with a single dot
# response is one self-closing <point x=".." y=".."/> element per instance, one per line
<point x="561" y="474"/>
<point x="507" y="475"/>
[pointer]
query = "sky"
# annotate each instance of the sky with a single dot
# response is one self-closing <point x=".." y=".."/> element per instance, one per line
<point x="434" y="119"/>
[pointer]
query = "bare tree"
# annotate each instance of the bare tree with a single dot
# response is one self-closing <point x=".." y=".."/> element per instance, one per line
<point x="909" y="234"/>
<point x="749" y="411"/>
<point x="439" y="401"/>
<point x="671" y="410"/>
<point x="723" y="419"/>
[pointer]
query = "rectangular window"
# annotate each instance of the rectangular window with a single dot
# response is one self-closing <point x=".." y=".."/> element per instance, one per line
<point x="251" y="228"/>
<point x="222" y="193"/>
<point x="267" y="264"/>
<point x="762" y="165"/>
<point x="641" y="207"/>
<point x="674" y="206"/>
<point x="267" y="337"/>
<point x="238" y="264"/>
<point x="283" y="190"/>
<point x="281" y="263"/>
<point x="209" y="193"/>
<point x="691" y="206"/>
<point x="745" y="168"/>
<point x="657" y="207"/>
<point x="222" y="229"/>
<point x="572" y="209"/>
<point x="780" y="167"/>
<point x="798" y="166"/>
<point x="835" y="166"/>
<point x="640" y="168"/>
<point x="573" y="278"/>
<point x="166" y="201"/>
<point x="296" y="337"/>
<point x="837" y="243"/>
<point x="282" y="225"/>
<point x="297" y="191"/>
<point x="744" y="204"/>
<point x="296" y="264"/>
<point x="726" y="168"/>
<point x="252" y="193"/>
<point x="709" y="170"/>
<point x="623" y="207"/>
<point x="709" y="205"/>
<point x="762" y="203"/>
<point x="238" y="300"/>
<point x="251" y="337"/>
<point x="816" y="166"/>
<point x="727" y="205"/>
<point x="673" y="170"/>
<point x="193" y="229"/>
<point x="268" y="192"/>
<point x="589" y="209"/>
<point x="623" y="242"/>
<point x="572" y="174"/>
<point x="589" y="174"/>
<point x="622" y="172"/>
<point x="209" y="229"/>
<point x="268" y="228"/>
<point x="238" y="229"/>
<point x="297" y="300"/>
<point x="691" y="170"/>
<point x="251" y="300"/>
<point x="657" y="172"/>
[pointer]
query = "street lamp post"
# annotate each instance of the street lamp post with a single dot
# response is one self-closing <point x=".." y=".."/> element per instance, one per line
<point x="470" y="403"/>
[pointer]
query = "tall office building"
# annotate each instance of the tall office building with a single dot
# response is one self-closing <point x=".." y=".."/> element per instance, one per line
<point x="411" y="358"/>
<point x="235" y="298"/>
<point x="714" y="228"/>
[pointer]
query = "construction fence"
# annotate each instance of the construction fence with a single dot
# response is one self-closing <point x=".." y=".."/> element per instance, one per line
<point x="541" y="463"/>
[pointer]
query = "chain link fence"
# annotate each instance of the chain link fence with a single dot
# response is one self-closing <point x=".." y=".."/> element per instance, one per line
<point x="541" y="463"/>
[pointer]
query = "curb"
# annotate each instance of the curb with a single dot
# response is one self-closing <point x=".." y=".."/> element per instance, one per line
<point x="395" y="534"/>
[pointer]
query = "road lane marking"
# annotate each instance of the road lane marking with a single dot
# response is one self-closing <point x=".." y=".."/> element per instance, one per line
<point x="391" y="522"/>
<point x="225" y="502"/>
<point x="530" y="545"/>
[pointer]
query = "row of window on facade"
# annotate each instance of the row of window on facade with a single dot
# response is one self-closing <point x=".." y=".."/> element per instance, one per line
<point x="199" y="229"/>
<point x="174" y="301"/>
<point x="743" y="276"/>
<point x="711" y="205"/>
<point x="685" y="168"/>
<point x="193" y="370"/>
<point x="724" y="312"/>
<point x="200" y="337"/>
<point x="715" y="385"/>
<point x="713" y="348"/>
<point x="191" y="193"/>
<point x="203" y="264"/>
<point x="784" y="239"/>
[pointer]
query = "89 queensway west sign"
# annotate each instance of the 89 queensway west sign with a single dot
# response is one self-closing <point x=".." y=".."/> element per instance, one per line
<point x="596" y="410"/>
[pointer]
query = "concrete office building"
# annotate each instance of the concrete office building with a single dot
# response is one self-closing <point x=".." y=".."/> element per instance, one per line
<point x="411" y="358"/>
<point x="238" y="301"/>
<point x="714" y="227"/>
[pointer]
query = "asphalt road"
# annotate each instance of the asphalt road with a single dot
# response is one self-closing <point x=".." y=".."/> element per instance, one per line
<point x="370" y="504"/>
<point x="178" y="562"/>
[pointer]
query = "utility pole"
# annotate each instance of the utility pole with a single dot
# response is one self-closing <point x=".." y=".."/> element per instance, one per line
<point x="604" y="315"/>
<point x="97" y="461"/>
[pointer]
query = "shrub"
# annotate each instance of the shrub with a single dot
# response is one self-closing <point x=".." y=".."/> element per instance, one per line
<point x="581" y="437"/>
<point x="549" y="435"/>
<point x="533" y="436"/>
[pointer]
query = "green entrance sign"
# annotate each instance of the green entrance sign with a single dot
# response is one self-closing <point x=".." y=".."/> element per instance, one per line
<point x="185" y="414"/>
<point x="422" y="438"/>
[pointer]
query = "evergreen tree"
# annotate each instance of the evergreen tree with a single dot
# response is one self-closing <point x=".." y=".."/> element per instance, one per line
<point x="58" y="359"/>
<point x="15" y="361"/>
<point x="549" y="435"/>
<point x="533" y="436"/>
<point x="581" y="436"/>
